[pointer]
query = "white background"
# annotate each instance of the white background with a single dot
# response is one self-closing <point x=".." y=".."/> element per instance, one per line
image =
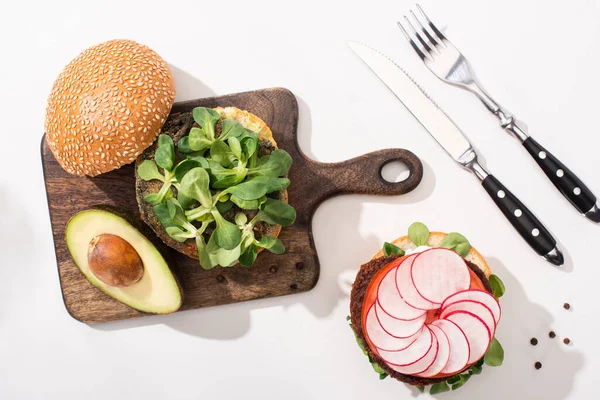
<point x="540" y="59"/>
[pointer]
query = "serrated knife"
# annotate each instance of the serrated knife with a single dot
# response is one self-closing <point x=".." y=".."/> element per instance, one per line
<point x="450" y="137"/>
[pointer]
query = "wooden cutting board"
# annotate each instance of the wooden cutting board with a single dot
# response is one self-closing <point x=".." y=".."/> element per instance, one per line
<point x="272" y="275"/>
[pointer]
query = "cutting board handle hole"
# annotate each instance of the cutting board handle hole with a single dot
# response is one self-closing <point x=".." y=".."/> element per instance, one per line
<point x="395" y="171"/>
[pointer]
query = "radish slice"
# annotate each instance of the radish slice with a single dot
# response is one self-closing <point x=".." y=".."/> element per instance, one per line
<point x="412" y="353"/>
<point x="383" y="340"/>
<point x="391" y="302"/>
<point x="439" y="273"/>
<point x="406" y="288"/>
<point x="459" y="346"/>
<point x="477" y="333"/>
<point x="476" y="308"/>
<point x="443" y="354"/>
<point x="476" y="295"/>
<point x="423" y="364"/>
<point x="397" y="327"/>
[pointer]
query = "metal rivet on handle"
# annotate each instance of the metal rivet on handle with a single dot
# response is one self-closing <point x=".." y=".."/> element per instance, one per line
<point x="518" y="213"/>
<point x="501" y="194"/>
<point x="535" y="232"/>
<point x="560" y="173"/>
<point x="577" y="191"/>
<point x="542" y="154"/>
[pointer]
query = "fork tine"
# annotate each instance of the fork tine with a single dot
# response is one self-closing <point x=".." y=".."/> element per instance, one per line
<point x="431" y="25"/>
<point x="425" y="31"/>
<point x="414" y="31"/>
<point x="411" y="41"/>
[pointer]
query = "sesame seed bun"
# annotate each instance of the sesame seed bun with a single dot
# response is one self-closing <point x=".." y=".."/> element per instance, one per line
<point x="177" y="126"/>
<point x="107" y="106"/>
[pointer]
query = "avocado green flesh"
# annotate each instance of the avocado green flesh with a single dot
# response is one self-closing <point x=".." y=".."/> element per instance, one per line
<point x="157" y="292"/>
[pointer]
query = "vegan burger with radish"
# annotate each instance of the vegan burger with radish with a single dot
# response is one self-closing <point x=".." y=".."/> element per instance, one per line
<point x="425" y="309"/>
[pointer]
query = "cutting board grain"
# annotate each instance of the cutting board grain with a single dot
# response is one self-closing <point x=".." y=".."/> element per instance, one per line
<point x="272" y="275"/>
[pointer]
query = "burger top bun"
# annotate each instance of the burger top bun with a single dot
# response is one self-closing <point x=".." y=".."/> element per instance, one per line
<point x="107" y="106"/>
<point x="435" y="239"/>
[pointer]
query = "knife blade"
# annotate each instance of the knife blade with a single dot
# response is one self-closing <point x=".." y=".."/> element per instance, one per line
<point x="455" y="143"/>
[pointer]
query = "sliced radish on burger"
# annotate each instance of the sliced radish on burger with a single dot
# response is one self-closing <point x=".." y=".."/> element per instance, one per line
<point x="443" y="353"/>
<point x="412" y="353"/>
<point x="383" y="340"/>
<point x="391" y="302"/>
<point x="475" y="308"/>
<point x="459" y="346"/>
<point x="423" y="364"/>
<point x="406" y="288"/>
<point x="476" y="295"/>
<point x="439" y="273"/>
<point x="397" y="327"/>
<point x="476" y="331"/>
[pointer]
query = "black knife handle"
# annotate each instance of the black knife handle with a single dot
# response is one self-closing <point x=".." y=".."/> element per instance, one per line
<point x="562" y="177"/>
<point x="523" y="220"/>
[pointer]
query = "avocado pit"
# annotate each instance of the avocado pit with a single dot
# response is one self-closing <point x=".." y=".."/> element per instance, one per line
<point x="114" y="261"/>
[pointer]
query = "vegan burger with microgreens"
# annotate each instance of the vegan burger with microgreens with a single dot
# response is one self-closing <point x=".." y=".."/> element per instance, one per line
<point x="213" y="186"/>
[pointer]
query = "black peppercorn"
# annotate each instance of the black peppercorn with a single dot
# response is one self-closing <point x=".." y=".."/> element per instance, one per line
<point x="567" y="306"/>
<point x="566" y="340"/>
<point x="533" y="341"/>
<point x="552" y="334"/>
<point x="538" y="365"/>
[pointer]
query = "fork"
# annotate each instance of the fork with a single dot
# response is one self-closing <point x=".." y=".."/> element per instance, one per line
<point x="448" y="64"/>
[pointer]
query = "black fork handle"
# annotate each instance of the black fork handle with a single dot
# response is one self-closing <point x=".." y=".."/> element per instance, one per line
<point x="564" y="179"/>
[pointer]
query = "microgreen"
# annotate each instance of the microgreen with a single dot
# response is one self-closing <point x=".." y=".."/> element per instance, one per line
<point x="390" y="248"/>
<point x="165" y="152"/>
<point x="497" y="285"/>
<point x="248" y="204"/>
<point x="274" y="165"/>
<point x="222" y="153"/>
<point x="164" y="158"/>
<point x="272" y="244"/>
<point x="149" y="171"/>
<point x="207" y="118"/>
<point x="257" y="187"/>
<point x="219" y="169"/>
<point x="495" y="354"/>
<point x="457" y="242"/>
<point x="439" y="387"/>
<point x="249" y="256"/>
<point x="418" y="233"/>
<point x="227" y="234"/>
<point x="276" y="212"/>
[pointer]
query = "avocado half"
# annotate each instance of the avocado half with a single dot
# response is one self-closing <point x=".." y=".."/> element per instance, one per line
<point x="157" y="292"/>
